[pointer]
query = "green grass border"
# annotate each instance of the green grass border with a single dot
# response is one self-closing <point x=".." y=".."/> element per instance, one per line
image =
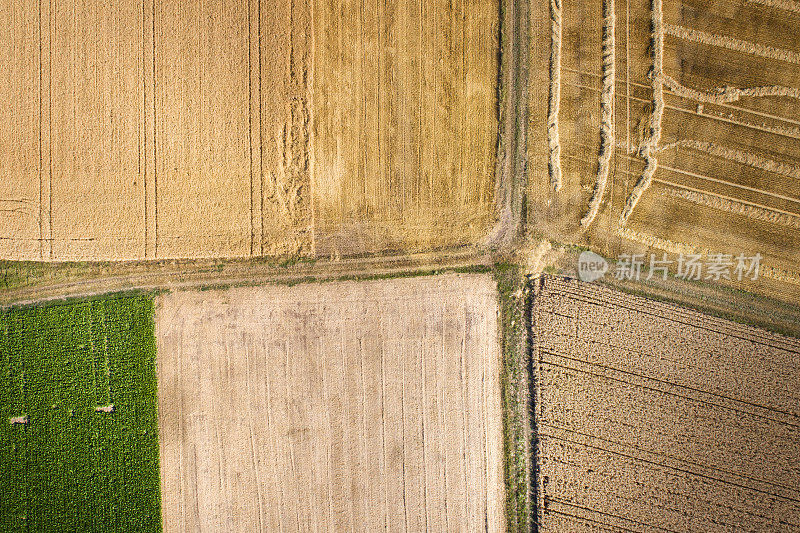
<point x="515" y="380"/>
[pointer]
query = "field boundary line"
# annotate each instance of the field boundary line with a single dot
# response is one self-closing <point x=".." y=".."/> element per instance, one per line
<point x="161" y="275"/>
<point x="650" y="145"/>
<point x="731" y="43"/>
<point x="607" y="113"/>
<point x="786" y="5"/>
<point x="518" y="393"/>
<point x="512" y="138"/>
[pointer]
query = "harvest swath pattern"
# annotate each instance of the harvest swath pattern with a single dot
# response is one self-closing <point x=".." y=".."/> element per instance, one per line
<point x="651" y="417"/>
<point x="345" y="406"/>
<point x="71" y="467"/>
<point x="699" y="101"/>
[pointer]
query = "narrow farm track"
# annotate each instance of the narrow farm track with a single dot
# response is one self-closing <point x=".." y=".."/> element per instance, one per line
<point x="104" y="278"/>
<point x="511" y="169"/>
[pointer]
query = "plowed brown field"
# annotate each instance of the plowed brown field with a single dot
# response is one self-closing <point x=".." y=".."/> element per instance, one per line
<point x="651" y="417"/>
<point x="329" y="407"/>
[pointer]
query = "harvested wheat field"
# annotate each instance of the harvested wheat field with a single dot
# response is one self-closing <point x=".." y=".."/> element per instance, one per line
<point x="142" y="130"/>
<point x="329" y="407"/>
<point x="651" y="417"/>
<point x="170" y="129"/>
<point x="405" y="124"/>
<point x="669" y="125"/>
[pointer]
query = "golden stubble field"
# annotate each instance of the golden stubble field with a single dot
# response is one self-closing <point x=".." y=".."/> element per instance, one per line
<point x="405" y="126"/>
<point x="144" y="130"/>
<point x="651" y="417"/>
<point x="669" y="125"/>
<point x="327" y="407"/>
<point x="148" y="130"/>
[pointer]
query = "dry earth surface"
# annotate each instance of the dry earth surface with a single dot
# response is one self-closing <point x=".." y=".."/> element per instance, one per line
<point x="651" y="417"/>
<point x="669" y="125"/>
<point x="329" y="407"/>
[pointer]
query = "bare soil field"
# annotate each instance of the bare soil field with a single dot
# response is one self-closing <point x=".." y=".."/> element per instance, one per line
<point x="328" y="407"/>
<point x="667" y="124"/>
<point x="651" y="417"/>
<point x="405" y="124"/>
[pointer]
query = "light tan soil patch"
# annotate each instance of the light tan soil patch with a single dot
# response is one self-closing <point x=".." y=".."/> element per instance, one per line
<point x="651" y="417"/>
<point x="332" y="406"/>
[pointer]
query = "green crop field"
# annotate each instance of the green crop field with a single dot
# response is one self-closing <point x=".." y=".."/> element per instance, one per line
<point x="70" y="467"/>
